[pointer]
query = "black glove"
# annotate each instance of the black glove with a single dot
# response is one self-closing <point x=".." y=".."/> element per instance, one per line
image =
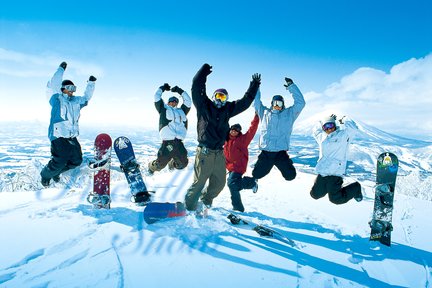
<point x="63" y="65"/>
<point x="92" y="78"/>
<point x="288" y="82"/>
<point x="341" y="120"/>
<point x="206" y="69"/>
<point x="165" y="87"/>
<point x="333" y="116"/>
<point x="256" y="78"/>
<point x="177" y="89"/>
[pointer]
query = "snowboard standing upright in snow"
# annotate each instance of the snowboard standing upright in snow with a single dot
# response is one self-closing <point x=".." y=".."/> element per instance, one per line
<point x="130" y="167"/>
<point x="381" y="223"/>
<point x="100" y="196"/>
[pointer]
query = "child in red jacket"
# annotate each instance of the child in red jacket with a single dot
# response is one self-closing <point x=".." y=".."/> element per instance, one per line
<point x="236" y="160"/>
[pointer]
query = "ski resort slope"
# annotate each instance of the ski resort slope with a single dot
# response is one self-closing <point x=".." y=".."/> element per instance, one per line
<point x="53" y="238"/>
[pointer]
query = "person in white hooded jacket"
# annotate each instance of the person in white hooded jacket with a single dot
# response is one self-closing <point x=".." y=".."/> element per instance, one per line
<point x="63" y="130"/>
<point x="172" y="129"/>
<point x="333" y="143"/>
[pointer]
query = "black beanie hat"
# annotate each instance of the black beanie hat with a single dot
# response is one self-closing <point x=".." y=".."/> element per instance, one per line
<point x="236" y="127"/>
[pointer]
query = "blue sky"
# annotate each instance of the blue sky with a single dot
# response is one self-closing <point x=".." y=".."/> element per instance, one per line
<point x="135" y="46"/>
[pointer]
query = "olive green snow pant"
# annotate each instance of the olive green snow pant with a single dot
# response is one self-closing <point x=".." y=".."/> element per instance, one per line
<point x="209" y="165"/>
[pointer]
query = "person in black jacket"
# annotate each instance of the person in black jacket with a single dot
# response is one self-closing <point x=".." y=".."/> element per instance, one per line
<point x="213" y="127"/>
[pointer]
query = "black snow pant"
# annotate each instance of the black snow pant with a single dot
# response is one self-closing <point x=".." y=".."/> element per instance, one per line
<point x="170" y="150"/>
<point x="332" y="185"/>
<point x="236" y="183"/>
<point x="66" y="154"/>
<point x="266" y="161"/>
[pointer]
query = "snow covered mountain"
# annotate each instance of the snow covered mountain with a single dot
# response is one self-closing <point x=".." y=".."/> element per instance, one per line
<point x="53" y="238"/>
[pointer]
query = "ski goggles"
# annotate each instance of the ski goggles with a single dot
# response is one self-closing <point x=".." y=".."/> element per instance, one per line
<point x="278" y="103"/>
<point x="328" y="126"/>
<point x="220" y="96"/>
<point x="235" y="129"/>
<point x="71" y="88"/>
<point x="173" y="99"/>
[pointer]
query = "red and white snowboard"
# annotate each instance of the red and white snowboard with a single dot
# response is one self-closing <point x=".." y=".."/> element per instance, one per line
<point x="100" y="196"/>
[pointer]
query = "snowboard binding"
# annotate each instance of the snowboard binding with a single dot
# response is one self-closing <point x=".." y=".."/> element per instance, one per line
<point x="96" y="165"/>
<point x="381" y="226"/>
<point x="130" y="166"/>
<point x="263" y="231"/>
<point x="99" y="201"/>
<point x="235" y="219"/>
<point x="141" y="198"/>
<point x="385" y="195"/>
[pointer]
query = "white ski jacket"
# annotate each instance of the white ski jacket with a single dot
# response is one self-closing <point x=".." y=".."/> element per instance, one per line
<point x="65" y="110"/>
<point x="333" y="149"/>
<point x="172" y="121"/>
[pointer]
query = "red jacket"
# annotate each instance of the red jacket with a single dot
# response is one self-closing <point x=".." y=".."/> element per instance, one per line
<point x="236" y="149"/>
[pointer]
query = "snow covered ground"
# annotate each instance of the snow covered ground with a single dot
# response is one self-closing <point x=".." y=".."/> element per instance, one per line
<point x="53" y="238"/>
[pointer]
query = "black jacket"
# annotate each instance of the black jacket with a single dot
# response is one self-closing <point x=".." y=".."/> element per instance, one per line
<point x="213" y="125"/>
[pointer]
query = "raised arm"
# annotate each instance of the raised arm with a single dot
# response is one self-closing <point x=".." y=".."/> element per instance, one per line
<point x="187" y="102"/>
<point x="249" y="135"/>
<point x="259" y="107"/>
<point x="158" y="96"/>
<point x="55" y="83"/>
<point x="244" y="103"/>
<point x="199" y="95"/>
<point x="299" y="102"/>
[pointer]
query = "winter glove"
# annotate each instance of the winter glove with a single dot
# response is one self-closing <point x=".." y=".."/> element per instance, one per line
<point x="206" y="69"/>
<point x="177" y="89"/>
<point x="288" y="82"/>
<point x="256" y="78"/>
<point x="63" y="65"/>
<point x="333" y="116"/>
<point x="341" y="121"/>
<point x="92" y="78"/>
<point x="165" y="87"/>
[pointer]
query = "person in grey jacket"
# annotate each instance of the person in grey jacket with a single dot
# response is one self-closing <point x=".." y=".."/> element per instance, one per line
<point x="172" y="129"/>
<point x="275" y="132"/>
<point x="63" y="130"/>
<point x="333" y="143"/>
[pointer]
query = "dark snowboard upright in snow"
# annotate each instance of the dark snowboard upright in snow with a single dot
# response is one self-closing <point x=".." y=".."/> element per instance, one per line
<point x="100" y="196"/>
<point x="381" y="223"/>
<point x="156" y="211"/>
<point x="130" y="167"/>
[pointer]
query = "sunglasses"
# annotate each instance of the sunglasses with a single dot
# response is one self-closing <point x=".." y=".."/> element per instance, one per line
<point x="328" y="126"/>
<point x="71" y="88"/>
<point x="220" y="96"/>
<point x="278" y="103"/>
<point x="236" y="130"/>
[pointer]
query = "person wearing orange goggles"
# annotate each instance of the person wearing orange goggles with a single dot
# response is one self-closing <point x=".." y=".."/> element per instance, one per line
<point x="213" y="127"/>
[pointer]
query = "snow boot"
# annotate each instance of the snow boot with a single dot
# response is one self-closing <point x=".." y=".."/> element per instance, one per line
<point x="45" y="182"/>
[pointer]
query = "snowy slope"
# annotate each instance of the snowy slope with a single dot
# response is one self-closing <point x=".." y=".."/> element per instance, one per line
<point x="53" y="238"/>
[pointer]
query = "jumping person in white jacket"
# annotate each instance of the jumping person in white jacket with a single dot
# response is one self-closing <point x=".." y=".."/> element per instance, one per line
<point x="63" y="129"/>
<point x="333" y="143"/>
<point x="172" y="129"/>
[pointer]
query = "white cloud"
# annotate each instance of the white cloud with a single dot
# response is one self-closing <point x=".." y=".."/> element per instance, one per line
<point x="23" y="65"/>
<point x="399" y="101"/>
